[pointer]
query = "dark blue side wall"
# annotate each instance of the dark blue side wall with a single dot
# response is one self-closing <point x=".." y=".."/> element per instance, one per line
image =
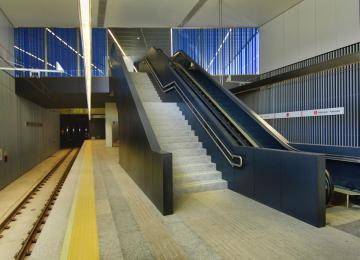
<point x="287" y="181"/>
<point x="344" y="173"/>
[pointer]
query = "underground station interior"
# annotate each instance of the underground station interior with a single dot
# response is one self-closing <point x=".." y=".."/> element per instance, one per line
<point x="163" y="129"/>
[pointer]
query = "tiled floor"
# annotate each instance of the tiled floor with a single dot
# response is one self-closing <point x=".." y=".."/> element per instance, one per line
<point x="208" y="225"/>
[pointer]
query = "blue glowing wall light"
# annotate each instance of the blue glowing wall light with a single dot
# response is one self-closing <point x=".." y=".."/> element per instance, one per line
<point x="220" y="51"/>
<point x="61" y="45"/>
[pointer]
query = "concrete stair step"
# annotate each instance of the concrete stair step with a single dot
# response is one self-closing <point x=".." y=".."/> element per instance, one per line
<point x="154" y="97"/>
<point x="195" y="167"/>
<point x="185" y="160"/>
<point x="192" y="167"/>
<point x="141" y="76"/>
<point x="145" y="88"/>
<point x="157" y="105"/>
<point x="178" y="139"/>
<point x="173" y="147"/>
<point x="162" y="114"/>
<point x="145" y="85"/>
<point x="148" y="94"/>
<point x="178" y="122"/>
<point x="138" y="75"/>
<point x="201" y="186"/>
<point x="144" y="99"/>
<point x="196" y="177"/>
<point x="146" y="91"/>
<point x="171" y="133"/>
<point x="149" y="97"/>
<point x="165" y="128"/>
<point x="156" y="116"/>
<point x="189" y="152"/>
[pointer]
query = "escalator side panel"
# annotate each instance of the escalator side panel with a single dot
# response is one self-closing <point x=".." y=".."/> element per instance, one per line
<point x="280" y="179"/>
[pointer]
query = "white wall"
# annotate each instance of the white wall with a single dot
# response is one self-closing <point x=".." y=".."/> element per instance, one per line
<point x="25" y="145"/>
<point x="111" y="115"/>
<point x="308" y="29"/>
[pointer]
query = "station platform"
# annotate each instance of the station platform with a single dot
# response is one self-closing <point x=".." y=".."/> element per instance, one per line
<point x="100" y="213"/>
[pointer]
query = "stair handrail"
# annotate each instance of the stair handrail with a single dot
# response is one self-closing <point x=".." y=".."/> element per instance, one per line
<point x="269" y="129"/>
<point x="173" y="85"/>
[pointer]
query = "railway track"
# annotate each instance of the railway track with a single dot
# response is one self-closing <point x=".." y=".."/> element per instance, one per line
<point x="20" y="230"/>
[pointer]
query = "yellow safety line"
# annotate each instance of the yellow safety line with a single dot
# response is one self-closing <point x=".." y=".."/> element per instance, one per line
<point x="81" y="239"/>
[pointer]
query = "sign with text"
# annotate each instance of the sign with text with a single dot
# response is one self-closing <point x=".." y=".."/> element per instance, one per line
<point x="305" y="113"/>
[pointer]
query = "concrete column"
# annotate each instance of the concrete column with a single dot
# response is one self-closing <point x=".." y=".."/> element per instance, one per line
<point x="111" y="116"/>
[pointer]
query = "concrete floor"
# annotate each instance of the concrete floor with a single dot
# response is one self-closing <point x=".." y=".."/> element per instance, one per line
<point x="207" y="225"/>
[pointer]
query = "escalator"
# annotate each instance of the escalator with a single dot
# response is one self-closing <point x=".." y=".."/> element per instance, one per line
<point x="241" y="126"/>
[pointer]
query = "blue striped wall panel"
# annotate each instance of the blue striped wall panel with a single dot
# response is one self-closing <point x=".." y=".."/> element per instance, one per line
<point x="42" y="48"/>
<point x="220" y="51"/>
<point x="59" y="51"/>
<point x="98" y="51"/>
<point x="29" y="49"/>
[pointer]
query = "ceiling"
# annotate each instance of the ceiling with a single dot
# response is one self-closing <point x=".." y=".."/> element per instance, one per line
<point x="136" y="41"/>
<point x="145" y="13"/>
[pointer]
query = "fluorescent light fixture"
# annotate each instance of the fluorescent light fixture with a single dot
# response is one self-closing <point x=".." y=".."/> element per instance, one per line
<point x="59" y="69"/>
<point x="117" y="43"/>
<point x="119" y="46"/>
<point x="85" y="28"/>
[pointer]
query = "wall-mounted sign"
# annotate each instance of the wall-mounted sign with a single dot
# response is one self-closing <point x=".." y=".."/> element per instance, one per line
<point x="34" y="124"/>
<point x="305" y="113"/>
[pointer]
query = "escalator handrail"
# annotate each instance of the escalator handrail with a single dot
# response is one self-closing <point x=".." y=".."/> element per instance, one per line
<point x="351" y="159"/>
<point x="268" y="128"/>
<point x="174" y="85"/>
<point x="218" y="114"/>
<point x="223" y="112"/>
<point x="334" y="156"/>
<point x="329" y="183"/>
<point x="342" y="158"/>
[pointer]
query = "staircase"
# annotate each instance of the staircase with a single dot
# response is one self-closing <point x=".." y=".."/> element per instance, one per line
<point x="193" y="170"/>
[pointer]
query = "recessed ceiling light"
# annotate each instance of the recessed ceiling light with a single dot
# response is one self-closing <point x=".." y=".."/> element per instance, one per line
<point x="138" y="37"/>
<point x="85" y="28"/>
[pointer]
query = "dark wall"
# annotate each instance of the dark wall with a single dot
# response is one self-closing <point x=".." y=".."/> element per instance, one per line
<point x="74" y="129"/>
<point x="97" y="128"/>
<point x="139" y="152"/>
<point x="63" y="92"/>
<point x="292" y="182"/>
<point x="343" y="163"/>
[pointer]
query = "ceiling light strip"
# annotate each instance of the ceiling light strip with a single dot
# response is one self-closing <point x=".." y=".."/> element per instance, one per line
<point x="85" y="28"/>
<point x="119" y="46"/>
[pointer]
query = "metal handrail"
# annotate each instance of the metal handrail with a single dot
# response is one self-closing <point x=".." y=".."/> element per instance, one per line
<point x="173" y="84"/>
<point x="202" y="121"/>
<point x="250" y="140"/>
<point x="333" y="156"/>
<point x="273" y="133"/>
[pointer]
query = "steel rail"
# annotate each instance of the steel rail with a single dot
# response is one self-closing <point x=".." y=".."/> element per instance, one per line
<point x="25" y="249"/>
<point x="11" y="217"/>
